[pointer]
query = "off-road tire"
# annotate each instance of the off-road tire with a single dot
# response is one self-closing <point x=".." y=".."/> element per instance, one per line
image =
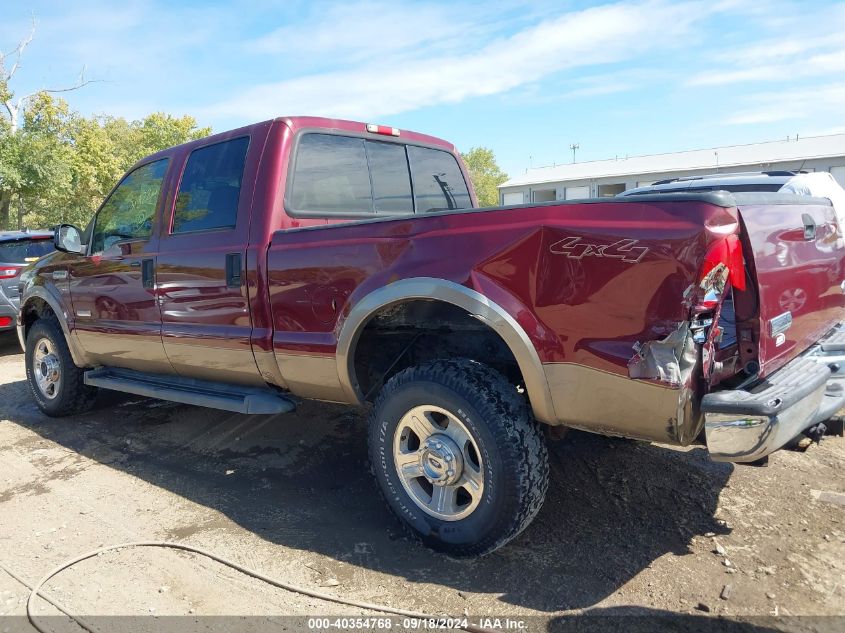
<point x="514" y="455"/>
<point x="73" y="396"/>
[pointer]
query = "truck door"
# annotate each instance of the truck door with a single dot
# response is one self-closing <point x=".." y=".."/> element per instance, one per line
<point x="117" y="319"/>
<point x="206" y="327"/>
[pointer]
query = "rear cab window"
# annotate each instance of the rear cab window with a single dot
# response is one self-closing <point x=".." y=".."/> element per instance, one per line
<point x="438" y="182"/>
<point x="347" y="176"/>
<point x="331" y="176"/>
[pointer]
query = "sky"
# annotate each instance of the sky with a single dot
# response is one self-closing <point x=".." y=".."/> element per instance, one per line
<point x="527" y="80"/>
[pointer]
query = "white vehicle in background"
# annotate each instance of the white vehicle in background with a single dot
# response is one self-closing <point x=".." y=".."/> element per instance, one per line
<point x="820" y="184"/>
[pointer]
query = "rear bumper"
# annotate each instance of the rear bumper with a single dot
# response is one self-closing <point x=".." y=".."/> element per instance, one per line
<point x="743" y="426"/>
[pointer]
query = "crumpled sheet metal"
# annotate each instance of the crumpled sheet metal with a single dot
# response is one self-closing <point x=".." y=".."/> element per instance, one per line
<point x="670" y="360"/>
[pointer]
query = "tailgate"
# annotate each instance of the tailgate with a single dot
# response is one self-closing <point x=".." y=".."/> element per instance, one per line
<point x="796" y="251"/>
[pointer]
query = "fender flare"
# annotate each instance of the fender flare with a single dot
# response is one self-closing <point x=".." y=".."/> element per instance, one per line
<point x="482" y="308"/>
<point x="40" y="292"/>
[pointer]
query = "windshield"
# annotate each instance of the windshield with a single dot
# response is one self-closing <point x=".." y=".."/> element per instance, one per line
<point x="23" y="251"/>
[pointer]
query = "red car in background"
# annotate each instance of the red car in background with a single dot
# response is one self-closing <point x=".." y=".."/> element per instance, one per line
<point x="17" y="250"/>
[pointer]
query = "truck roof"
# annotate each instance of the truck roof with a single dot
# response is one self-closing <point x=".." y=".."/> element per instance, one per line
<point x="297" y="123"/>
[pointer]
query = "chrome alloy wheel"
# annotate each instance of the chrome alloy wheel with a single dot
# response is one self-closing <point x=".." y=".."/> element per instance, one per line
<point x="46" y="368"/>
<point x="438" y="462"/>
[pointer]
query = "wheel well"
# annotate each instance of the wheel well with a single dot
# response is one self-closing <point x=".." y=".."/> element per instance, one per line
<point x="421" y="330"/>
<point x="33" y="310"/>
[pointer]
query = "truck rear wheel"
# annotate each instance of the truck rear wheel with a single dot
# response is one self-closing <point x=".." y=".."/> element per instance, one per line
<point x="57" y="384"/>
<point x="458" y="456"/>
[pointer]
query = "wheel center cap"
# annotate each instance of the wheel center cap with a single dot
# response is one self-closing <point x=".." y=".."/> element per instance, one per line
<point x="50" y="367"/>
<point x="441" y="460"/>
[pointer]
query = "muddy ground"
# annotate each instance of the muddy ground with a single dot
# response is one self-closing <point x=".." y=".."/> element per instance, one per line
<point x="628" y="528"/>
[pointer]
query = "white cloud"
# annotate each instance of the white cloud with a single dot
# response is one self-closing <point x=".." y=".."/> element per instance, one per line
<point x="381" y="86"/>
<point x="790" y="104"/>
<point x="795" y="45"/>
<point x="827" y="63"/>
<point x="351" y="33"/>
<point x="365" y="30"/>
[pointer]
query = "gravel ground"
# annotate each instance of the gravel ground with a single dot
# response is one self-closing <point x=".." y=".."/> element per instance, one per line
<point x="628" y="528"/>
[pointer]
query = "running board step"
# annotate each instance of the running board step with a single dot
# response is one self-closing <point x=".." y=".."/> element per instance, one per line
<point x="202" y="393"/>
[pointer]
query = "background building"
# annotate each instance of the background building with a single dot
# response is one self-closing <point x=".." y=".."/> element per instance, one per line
<point x="605" y="178"/>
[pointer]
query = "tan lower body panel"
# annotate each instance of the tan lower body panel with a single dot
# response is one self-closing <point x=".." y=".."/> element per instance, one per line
<point x="222" y="364"/>
<point x="584" y="398"/>
<point x="311" y="376"/>
<point x="139" y="352"/>
<point x="601" y="402"/>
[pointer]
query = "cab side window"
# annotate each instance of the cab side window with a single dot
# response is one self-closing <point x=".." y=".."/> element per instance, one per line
<point x="211" y="187"/>
<point x="129" y="211"/>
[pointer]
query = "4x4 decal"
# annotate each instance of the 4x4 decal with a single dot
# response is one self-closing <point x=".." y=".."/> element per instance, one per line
<point x="574" y="248"/>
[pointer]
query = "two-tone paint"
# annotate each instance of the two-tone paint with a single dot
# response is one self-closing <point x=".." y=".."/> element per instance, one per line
<point x="573" y="289"/>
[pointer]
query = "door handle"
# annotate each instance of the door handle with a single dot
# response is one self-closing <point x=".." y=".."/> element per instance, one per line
<point x="136" y="263"/>
<point x="809" y="227"/>
<point x="233" y="270"/>
<point x="148" y="273"/>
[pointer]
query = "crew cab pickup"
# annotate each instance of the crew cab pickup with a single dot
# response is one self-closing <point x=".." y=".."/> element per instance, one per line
<point x="340" y="261"/>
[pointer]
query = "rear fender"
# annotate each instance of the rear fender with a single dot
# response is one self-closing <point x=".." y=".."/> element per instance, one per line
<point x="473" y="302"/>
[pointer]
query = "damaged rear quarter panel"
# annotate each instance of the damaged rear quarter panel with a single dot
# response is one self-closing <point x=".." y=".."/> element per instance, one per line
<point x="586" y="282"/>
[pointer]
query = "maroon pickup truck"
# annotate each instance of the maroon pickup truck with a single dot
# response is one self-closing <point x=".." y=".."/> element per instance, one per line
<point x="340" y="261"/>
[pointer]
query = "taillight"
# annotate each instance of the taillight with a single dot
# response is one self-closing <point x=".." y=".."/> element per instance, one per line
<point x="5" y="321"/>
<point x="9" y="272"/>
<point x="726" y="255"/>
<point x="727" y="251"/>
<point x="385" y="130"/>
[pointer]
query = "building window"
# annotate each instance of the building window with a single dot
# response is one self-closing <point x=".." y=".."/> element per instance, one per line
<point x="544" y="195"/>
<point x="608" y="191"/>
<point x="577" y="193"/>
<point x="513" y="197"/>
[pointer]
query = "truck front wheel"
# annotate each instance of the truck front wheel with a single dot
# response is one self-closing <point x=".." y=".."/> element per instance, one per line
<point x="57" y="384"/>
<point x="458" y="456"/>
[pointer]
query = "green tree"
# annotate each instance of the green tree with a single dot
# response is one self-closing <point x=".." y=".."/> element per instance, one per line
<point x="485" y="174"/>
<point x="35" y="159"/>
<point x="105" y="147"/>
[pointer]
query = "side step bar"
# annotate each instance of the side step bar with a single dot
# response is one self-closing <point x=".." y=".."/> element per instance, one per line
<point x="201" y="393"/>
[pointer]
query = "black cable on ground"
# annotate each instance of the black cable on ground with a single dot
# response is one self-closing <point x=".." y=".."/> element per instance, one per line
<point x="34" y="593"/>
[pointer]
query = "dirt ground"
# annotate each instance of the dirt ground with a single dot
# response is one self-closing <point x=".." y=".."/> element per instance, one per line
<point x="628" y="528"/>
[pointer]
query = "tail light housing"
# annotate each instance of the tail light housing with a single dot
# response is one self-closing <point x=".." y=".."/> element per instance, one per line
<point x="7" y="272"/>
<point x="723" y="262"/>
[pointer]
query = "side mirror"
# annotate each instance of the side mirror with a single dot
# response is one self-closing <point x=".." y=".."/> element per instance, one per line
<point x="68" y="238"/>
